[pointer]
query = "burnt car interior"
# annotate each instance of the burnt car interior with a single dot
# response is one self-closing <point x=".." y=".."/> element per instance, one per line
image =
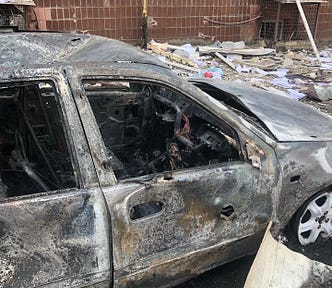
<point x="34" y="155"/>
<point x="234" y="104"/>
<point x="149" y="128"/>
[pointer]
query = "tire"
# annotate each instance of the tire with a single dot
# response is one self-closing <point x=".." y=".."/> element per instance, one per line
<point x="314" y="219"/>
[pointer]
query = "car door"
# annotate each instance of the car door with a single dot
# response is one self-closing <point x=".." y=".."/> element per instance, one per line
<point x="54" y="229"/>
<point x="171" y="224"/>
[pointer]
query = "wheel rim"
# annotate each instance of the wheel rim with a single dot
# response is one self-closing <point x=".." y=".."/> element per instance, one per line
<point x="316" y="219"/>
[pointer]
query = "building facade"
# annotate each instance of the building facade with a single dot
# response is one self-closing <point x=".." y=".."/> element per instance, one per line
<point x="184" y="20"/>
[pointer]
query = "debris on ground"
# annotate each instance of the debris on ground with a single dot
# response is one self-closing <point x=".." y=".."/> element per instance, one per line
<point x="274" y="261"/>
<point x="297" y="73"/>
<point x="294" y="73"/>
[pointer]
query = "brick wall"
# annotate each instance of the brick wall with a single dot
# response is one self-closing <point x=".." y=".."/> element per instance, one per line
<point x="324" y="27"/>
<point x="168" y="19"/>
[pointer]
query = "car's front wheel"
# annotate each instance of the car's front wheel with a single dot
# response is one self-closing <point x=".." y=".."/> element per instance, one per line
<point x="314" y="219"/>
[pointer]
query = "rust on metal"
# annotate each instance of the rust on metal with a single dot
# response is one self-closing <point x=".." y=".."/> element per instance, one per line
<point x="114" y="171"/>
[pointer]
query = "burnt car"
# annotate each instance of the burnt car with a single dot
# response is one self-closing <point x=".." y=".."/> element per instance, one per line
<point x="116" y="172"/>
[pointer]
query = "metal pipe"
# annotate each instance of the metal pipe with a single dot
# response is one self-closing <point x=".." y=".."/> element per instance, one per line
<point x="185" y="141"/>
<point x="34" y="176"/>
<point x="39" y="147"/>
<point x="145" y="25"/>
<point x="276" y="27"/>
<point x="47" y="118"/>
<point x="178" y="117"/>
<point x="145" y="8"/>
<point x="307" y="28"/>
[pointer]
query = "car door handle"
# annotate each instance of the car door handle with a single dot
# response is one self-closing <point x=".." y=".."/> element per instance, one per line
<point x="227" y="213"/>
<point x="229" y="172"/>
<point x="146" y="209"/>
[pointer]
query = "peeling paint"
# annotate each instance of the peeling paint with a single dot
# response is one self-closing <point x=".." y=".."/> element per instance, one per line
<point x="321" y="156"/>
<point x="203" y="179"/>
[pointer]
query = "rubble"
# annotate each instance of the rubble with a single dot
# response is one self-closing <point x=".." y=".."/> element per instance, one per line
<point x="228" y="62"/>
<point x="277" y="266"/>
<point x="323" y="92"/>
<point x="209" y="73"/>
<point x="294" y="73"/>
<point x="245" y="51"/>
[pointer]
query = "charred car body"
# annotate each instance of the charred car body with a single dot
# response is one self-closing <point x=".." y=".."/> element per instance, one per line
<point x="114" y="171"/>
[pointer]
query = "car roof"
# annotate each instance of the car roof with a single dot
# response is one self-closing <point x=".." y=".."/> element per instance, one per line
<point x="25" y="49"/>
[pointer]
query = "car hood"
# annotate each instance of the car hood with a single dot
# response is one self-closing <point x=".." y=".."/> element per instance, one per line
<point x="287" y="119"/>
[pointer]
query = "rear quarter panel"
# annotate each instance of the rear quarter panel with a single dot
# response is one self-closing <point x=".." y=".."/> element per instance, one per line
<point x="54" y="240"/>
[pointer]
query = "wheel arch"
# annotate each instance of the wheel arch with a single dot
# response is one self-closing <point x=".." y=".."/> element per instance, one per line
<point x="312" y="220"/>
<point x="281" y="222"/>
<point x="313" y="195"/>
<point x="306" y="169"/>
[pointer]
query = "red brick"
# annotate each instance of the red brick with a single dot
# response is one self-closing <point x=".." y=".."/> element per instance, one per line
<point x="179" y="19"/>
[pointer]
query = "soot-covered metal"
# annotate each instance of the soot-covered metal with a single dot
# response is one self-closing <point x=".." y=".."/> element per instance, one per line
<point x="117" y="173"/>
<point x="149" y="129"/>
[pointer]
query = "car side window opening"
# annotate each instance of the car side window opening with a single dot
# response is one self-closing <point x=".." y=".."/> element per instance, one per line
<point x="34" y="155"/>
<point x="149" y="128"/>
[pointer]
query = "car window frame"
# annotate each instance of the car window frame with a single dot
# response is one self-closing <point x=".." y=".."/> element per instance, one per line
<point x="81" y="78"/>
<point x="63" y="98"/>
